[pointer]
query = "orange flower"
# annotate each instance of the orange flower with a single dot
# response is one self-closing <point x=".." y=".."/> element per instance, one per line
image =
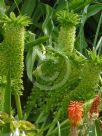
<point x="75" y="112"/>
<point x="94" y="109"/>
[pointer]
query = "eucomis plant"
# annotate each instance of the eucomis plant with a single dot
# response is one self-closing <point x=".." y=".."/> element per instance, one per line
<point x="11" y="54"/>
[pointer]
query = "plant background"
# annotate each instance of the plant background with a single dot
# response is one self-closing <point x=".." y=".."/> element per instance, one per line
<point x="45" y="27"/>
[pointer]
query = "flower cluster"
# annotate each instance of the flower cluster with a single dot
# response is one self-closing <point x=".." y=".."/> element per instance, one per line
<point x="75" y="110"/>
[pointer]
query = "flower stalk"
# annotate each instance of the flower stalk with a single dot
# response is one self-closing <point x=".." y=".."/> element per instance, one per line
<point x="74" y="131"/>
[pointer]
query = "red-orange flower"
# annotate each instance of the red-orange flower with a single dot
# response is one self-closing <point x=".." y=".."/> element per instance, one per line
<point x="94" y="109"/>
<point x="75" y="112"/>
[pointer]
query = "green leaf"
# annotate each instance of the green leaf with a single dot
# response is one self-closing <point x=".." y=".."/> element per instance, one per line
<point x="38" y="41"/>
<point x="77" y="5"/>
<point x="81" y="36"/>
<point x="82" y="41"/>
<point x="97" y="31"/>
<point x="30" y="59"/>
<point x="48" y="23"/>
<point x="28" y="7"/>
<point x="64" y="129"/>
<point x="61" y="4"/>
<point x="93" y="9"/>
<point x="39" y="12"/>
<point x="14" y="6"/>
<point x="98" y="131"/>
<point x="59" y="128"/>
<point x="99" y="46"/>
<point x="2" y="6"/>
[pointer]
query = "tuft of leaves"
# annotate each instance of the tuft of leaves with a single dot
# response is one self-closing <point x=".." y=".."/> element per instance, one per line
<point x="19" y="20"/>
<point x="65" y="17"/>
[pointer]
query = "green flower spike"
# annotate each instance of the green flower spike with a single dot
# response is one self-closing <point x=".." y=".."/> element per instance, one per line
<point x="68" y="21"/>
<point x="12" y="49"/>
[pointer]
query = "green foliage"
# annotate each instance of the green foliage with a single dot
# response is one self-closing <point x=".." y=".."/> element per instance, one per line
<point x="59" y="73"/>
<point x="80" y="84"/>
<point x="78" y="4"/>
<point x="2" y="7"/>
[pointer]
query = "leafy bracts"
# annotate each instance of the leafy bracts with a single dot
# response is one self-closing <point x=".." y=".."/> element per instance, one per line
<point x="65" y="18"/>
<point x="66" y="36"/>
<point x="15" y="21"/>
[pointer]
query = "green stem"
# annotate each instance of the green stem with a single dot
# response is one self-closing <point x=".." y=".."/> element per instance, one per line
<point x="18" y="105"/>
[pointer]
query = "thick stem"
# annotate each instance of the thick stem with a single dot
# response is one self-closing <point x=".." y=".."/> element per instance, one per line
<point x="18" y="105"/>
<point x="74" y="131"/>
